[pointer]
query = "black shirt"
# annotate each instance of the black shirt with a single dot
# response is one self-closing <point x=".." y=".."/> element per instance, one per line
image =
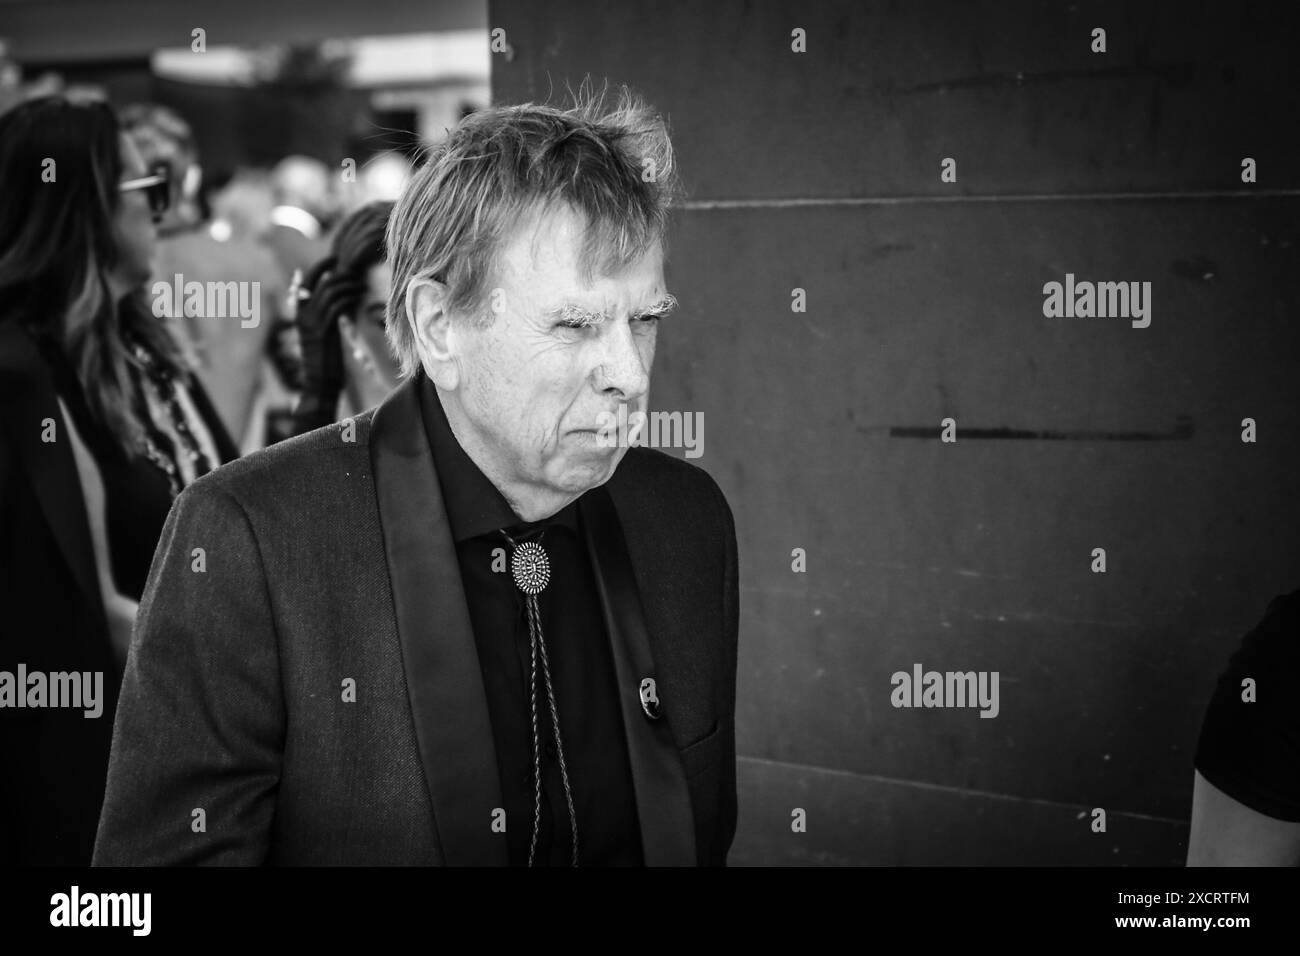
<point x="1251" y="749"/>
<point x="582" y="667"/>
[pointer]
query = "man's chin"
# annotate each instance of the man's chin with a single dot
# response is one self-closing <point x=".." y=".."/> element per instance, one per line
<point x="589" y="468"/>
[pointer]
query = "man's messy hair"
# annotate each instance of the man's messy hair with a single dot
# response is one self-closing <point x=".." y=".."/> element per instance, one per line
<point x="611" y="162"/>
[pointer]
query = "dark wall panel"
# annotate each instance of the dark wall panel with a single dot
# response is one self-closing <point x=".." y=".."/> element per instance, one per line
<point x="857" y="821"/>
<point x="974" y="555"/>
<point x="886" y="90"/>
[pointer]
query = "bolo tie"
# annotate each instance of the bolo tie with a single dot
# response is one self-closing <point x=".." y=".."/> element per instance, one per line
<point x="531" y="569"/>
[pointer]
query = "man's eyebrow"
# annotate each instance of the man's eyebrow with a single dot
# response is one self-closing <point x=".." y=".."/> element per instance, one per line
<point x="569" y="312"/>
<point x="660" y="308"/>
<point x="578" y="315"/>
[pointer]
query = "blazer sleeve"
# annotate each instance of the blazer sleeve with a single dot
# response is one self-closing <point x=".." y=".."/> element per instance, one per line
<point x="199" y="733"/>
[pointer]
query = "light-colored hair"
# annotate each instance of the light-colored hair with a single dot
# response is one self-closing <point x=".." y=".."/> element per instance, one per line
<point x="612" y="164"/>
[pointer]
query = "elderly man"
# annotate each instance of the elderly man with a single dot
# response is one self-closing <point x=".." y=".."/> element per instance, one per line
<point x="466" y="627"/>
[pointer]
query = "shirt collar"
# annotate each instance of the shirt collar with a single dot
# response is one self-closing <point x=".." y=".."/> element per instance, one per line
<point x="474" y="505"/>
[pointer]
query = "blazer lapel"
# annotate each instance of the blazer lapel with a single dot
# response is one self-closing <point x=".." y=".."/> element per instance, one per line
<point x="658" y="778"/>
<point x="448" y="702"/>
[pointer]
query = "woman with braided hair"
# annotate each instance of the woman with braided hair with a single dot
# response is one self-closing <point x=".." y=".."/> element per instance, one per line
<point x="341" y="322"/>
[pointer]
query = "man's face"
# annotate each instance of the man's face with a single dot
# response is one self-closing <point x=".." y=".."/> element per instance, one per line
<point x="559" y="356"/>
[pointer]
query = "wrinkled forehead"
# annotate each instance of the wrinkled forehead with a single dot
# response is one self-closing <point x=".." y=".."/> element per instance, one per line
<point x="557" y="245"/>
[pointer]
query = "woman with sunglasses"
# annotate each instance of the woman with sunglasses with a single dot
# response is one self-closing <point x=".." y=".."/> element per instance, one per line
<point x="239" y="365"/>
<point x="101" y="426"/>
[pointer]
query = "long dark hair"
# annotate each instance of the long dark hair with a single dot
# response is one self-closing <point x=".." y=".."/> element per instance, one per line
<point x="60" y="162"/>
<point x="357" y="247"/>
<point x="333" y="287"/>
<point x="358" y="244"/>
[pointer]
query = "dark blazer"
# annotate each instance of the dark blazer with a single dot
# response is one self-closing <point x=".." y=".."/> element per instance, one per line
<point x="329" y="559"/>
<point x="51" y="619"/>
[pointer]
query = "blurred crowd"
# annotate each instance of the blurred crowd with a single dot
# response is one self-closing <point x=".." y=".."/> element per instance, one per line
<point x="153" y="326"/>
<point x="272" y="227"/>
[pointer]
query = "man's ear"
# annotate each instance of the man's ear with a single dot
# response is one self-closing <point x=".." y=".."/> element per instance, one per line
<point x="435" y="337"/>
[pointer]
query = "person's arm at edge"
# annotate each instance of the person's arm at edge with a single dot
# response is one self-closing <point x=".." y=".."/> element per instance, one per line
<point x="1226" y="832"/>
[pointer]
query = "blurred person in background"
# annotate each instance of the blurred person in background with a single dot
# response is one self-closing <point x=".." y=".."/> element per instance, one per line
<point x="101" y="427"/>
<point x="304" y="200"/>
<point x="380" y="179"/>
<point x="341" y="324"/>
<point x="228" y="356"/>
<point x="11" y="79"/>
<point x="384" y="176"/>
<point x="241" y="208"/>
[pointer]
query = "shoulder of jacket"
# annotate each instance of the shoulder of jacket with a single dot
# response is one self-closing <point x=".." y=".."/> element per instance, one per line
<point x="310" y="460"/>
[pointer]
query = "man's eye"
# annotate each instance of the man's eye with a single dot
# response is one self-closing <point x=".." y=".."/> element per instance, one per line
<point x="573" y="324"/>
<point x="650" y="319"/>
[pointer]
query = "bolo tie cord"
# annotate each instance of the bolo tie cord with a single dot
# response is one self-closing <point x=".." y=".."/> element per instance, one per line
<point x="532" y="572"/>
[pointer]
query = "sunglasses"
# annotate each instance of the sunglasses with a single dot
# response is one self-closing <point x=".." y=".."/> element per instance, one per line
<point x="156" y="188"/>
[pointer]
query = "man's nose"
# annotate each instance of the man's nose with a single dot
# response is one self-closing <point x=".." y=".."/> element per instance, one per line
<point x="622" y="368"/>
